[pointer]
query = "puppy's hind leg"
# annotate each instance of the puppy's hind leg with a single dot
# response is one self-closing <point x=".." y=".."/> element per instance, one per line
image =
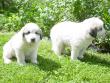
<point x="57" y="47"/>
<point x="7" y="55"/>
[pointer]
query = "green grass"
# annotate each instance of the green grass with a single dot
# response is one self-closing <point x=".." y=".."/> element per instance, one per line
<point x="94" y="68"/>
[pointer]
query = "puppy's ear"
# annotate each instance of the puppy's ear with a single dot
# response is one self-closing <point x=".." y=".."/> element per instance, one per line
<point x="93" y="32"/>
<point x="41" y="35"/>
<point x="23" y="34"/>
<point x="22" y="31"/>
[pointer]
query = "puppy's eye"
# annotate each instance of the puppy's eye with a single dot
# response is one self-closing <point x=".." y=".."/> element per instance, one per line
<point x="100" y="29"/>
<point x="28" y="32"/>
<point x="36" y="33"/>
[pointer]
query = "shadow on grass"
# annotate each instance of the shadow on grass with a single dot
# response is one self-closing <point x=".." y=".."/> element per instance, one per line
<point x="47" y="64"/>
<point x="95" y="60"/>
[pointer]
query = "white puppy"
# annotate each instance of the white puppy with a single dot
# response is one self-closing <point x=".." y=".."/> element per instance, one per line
<point x="23" y="45"/>
<point x="76" y="35"/>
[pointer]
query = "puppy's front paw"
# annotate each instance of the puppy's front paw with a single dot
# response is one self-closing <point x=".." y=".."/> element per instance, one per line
<point x="80" y="57"/>
<point x="7" y="61"/>
<point x="34" y="62"/>
<point x="21" y="63"/>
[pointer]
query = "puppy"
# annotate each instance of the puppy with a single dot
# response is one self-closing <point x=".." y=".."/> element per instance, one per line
<point x="23" y="45"/>
<point x="76" y="35"/>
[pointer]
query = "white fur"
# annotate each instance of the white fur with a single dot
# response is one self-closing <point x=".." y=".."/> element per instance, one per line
<point x="75" y="35"/>
<point x="21" y="46"/>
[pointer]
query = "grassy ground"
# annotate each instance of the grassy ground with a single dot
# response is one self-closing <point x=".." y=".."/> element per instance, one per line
<point x="94" y="68"/>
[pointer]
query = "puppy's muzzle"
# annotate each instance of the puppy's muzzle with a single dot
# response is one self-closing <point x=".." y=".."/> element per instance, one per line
<point x="33" y="40"/>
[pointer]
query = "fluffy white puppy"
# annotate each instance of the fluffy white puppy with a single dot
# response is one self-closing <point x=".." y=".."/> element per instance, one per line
<point x="76" y="35"/>
<point x="23" y="45"/>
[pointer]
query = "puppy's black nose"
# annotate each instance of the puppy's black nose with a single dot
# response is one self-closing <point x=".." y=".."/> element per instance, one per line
<point x="33" y="40"/>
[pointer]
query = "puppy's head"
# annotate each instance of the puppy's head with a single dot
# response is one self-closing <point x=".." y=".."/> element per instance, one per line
<point x="96" y="27"/>
<point x="31" y="33"/>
